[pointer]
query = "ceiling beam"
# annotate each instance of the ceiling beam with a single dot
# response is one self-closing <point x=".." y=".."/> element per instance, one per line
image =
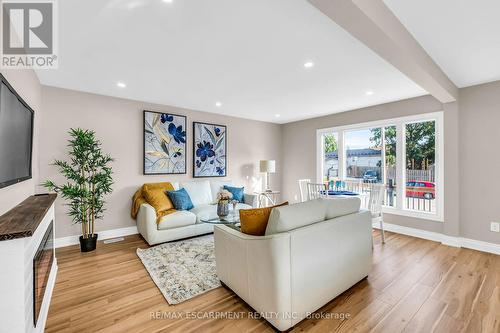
<point x="374" y="24"/>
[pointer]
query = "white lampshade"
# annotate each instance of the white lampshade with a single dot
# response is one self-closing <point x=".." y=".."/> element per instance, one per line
<point x="268" y="166"/>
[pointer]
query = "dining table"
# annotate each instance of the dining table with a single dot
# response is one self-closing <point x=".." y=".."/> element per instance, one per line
<point x="364" y="196"/>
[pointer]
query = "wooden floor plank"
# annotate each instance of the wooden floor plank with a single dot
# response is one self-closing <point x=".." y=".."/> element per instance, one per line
<point x="401" y="314"/>
<point x="414" y="286"/>
<point x="427" y="317"/>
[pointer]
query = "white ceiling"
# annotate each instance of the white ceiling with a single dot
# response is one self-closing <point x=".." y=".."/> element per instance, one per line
<point x="248" y="55"/>
<point x="461" y="36"/>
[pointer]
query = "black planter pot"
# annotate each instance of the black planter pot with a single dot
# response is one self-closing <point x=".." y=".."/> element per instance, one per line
<point x="88" y="244"/>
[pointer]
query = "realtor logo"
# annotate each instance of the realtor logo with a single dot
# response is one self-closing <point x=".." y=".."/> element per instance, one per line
<point x="28" y="34"/>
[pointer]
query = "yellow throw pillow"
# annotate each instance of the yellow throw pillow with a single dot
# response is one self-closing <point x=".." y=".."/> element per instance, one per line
<point x="155" y="195"/>
<point x="254" y="221"/>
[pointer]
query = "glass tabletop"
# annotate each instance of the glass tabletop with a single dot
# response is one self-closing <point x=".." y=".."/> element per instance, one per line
<point x="230" y="219"/>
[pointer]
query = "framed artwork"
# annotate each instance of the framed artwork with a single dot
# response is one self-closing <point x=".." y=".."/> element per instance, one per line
<point x="209" y="150"/>
<point x="164" y="143"/>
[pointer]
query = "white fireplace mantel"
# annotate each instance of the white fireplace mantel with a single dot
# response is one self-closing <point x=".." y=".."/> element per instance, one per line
<point x="16" y="274"/>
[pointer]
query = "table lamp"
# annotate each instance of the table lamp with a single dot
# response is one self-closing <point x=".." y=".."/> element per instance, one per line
<point x="267" y="167"/>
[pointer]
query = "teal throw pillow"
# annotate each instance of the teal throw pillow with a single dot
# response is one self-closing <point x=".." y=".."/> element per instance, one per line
<point x="237" y="192"/>
<point x="180" y="199"/>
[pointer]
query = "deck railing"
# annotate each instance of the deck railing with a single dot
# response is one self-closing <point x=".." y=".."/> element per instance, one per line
<point x="412" y="203"/>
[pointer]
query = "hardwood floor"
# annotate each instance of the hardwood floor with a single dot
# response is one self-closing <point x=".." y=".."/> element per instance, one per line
<point x="415" y="286"/>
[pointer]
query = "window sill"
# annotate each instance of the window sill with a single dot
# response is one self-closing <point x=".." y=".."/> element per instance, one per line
<point x="419" y="215"/>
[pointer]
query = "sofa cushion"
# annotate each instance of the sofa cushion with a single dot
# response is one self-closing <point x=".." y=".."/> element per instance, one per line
<point x="177" y="219"/>
<point x="294" y="216"/>
<point x="199" y="192"/>
<point x="180" y="199"/>
<point x="341" y="206"/>
<point x="205" y="212"/>
<point x="210" y="211"/>
<point x="254" y="221"/>
<point x="216" y="186"/>
<point x="237" y="192"/>
<point x="155" y="195"/>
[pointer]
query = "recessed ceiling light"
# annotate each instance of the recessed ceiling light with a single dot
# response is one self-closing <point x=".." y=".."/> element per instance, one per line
<point x="168" y="1"/>
<point x="369" y="93"/>
<point x="309" y="64"/>
<point x="277" y="115"/>
<point x="218" y="104"/>
<point x="121" y="85"/>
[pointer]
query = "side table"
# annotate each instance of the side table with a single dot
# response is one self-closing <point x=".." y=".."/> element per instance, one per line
<point x="267" y="198"/>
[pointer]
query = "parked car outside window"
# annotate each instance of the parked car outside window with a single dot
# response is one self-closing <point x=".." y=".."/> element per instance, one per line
<point x="420" y="189"/>
<point x="370" y="176"/>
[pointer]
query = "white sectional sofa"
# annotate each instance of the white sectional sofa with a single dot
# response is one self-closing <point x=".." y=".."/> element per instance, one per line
<point x="182" y="224"/>
<point x="312" y="252"/>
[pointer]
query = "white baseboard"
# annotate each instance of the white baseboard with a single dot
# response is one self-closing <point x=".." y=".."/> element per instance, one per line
<point x="451" y="241"/>
<point x="481" y="246"/>
<point x="444" y="239"/>
<point x="399" y="229"/>
<point x="105" y="234"/>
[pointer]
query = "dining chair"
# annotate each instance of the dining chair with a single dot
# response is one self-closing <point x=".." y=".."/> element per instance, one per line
<point x="375" y="202"/>
<point x="315" y="191"/>
<point x="303" y="189"/>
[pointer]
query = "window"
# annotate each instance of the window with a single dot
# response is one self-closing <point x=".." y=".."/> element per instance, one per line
<point x="404" y="155"/>
<point x="364" y="155"/>
<point x="390" y="182"/>
<point x="331" y="157"/>
<point x="420" y="146"/>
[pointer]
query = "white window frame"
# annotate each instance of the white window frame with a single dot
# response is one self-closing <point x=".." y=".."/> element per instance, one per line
<point x="400" y="159"/>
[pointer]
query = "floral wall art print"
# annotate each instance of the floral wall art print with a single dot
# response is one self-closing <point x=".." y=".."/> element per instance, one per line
<point x="164" y="143"/>
<point x="209" y="150"/>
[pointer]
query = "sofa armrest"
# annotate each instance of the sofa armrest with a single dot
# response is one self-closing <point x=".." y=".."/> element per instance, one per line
<point x="146" y="222"/>
<point x="257" y="268"/>
<point x="251" y="199"/>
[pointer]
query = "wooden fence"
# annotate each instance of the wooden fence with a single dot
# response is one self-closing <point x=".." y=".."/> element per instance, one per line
<point x="423" y="175"/>
<point x="358" y="172"/>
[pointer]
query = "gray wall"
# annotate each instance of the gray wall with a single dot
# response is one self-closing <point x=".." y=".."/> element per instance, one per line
<point x="118" y="124"/>
<point x="480" y="161"/>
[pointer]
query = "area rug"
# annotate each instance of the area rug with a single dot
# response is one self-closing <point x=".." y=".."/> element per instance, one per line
<point x="183" y="269"/>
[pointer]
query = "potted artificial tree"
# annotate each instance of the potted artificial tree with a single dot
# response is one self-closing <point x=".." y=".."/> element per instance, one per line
<point x="88" y="176"/>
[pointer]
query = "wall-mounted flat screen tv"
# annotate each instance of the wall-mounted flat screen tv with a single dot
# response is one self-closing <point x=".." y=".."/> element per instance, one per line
<point x="16" y="136"/>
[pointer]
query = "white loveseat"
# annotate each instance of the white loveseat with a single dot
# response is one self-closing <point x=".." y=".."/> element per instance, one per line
<point x="312" y="252"/>
<point x="183" y="223"/>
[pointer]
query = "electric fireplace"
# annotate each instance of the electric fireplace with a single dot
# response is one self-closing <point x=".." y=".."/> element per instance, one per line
<point x="42" y="264"/>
